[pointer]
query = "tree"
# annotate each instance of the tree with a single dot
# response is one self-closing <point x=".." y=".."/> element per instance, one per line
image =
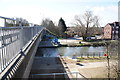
<point x="45" y="22"/>
<point x="86" y="21"/>
<point x="9" y="23"/>
<point x="81" y="30"/>
<point x="21" y="22"/>
<point x="62" y="27"/>
<point x="49" y="25"/>
<point x="16" y="22"/>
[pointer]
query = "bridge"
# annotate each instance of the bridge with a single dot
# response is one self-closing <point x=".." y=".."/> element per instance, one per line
<point x="18" y="46"/>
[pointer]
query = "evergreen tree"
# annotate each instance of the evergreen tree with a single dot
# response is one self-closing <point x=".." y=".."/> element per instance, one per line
<point x="62" y="27"/>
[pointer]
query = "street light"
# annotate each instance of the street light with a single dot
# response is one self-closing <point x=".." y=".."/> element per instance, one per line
<point x="108" y="60"/>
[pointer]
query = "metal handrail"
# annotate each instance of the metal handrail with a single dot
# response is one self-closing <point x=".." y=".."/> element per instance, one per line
<point x="18" y="57"/>
<point x="12" y="40"/>
<point x="7" y="18"/>
<point x="56" y="73"/>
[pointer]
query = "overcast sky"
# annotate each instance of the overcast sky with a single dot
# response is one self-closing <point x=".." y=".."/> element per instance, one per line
<point x="36" y="10"/>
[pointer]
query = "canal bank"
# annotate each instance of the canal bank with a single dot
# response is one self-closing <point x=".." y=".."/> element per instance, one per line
<point x="92" y="70"/>
<point x="81" y="43"/>
<point x="66" y="68"/>
<point x="49" y="64"/>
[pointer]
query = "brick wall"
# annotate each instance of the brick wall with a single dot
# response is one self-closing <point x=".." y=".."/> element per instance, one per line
<point x="108" y="32"/>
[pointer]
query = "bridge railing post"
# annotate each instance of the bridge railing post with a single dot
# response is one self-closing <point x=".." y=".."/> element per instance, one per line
<point x="1" y="63"/>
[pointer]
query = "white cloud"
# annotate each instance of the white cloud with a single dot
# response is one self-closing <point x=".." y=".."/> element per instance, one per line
<point x="108" y="14"/>
<point x="35" y="10"/>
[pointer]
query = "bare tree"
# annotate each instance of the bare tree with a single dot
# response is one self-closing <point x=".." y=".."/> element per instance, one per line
<point x="21" y="22"/>
<point x="50" y="26"/>
<point x="45" y="22"/>
<point x="86" y="21"/>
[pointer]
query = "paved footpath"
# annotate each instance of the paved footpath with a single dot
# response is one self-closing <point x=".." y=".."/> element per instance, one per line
<point x="72" y="68"/>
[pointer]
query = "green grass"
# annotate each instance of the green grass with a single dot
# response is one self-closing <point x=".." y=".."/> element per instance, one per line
<point x="96" y="59"/>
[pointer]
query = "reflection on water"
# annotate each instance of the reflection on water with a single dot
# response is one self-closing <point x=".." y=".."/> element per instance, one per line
<point x="70" y="51"/>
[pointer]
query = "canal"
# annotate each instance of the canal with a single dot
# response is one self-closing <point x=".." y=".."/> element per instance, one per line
<point x="70" y="51"/>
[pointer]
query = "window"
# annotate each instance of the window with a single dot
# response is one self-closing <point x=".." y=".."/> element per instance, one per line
<point x="117" y="27"/>
<point x="117" y="32"/>
<point x="113" y="32"/>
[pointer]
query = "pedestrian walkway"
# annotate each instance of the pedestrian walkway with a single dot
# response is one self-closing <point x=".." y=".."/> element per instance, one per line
<point x="71" y="68"/>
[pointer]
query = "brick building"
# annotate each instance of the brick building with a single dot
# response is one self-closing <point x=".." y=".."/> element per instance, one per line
<point x="112" y="31"/>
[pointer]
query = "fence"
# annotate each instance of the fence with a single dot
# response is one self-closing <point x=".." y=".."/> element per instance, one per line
<point x="12" y="41"/>
<point x="87" y="55"/>
<point x="55" y="76"/>
<point x="91" y="54"/>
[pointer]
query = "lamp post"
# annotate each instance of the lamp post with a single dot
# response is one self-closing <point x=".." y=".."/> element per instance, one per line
<point x="108" y="60"/>
<point x="118" y="59"/>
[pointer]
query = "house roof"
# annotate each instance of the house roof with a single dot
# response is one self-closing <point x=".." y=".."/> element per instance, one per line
<point x="114" y="24"/>
<point x="111" y="24"/>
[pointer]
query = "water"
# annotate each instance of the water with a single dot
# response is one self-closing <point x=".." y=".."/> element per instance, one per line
<point x="70" y="51"/>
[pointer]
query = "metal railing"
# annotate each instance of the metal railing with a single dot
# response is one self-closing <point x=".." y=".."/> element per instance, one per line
<point x="91" y="54"/>
<point x="12" y="41"/>
<point x="54" y="75"/>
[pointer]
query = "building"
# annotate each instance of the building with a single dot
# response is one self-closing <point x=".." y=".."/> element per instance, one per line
<point x="112" y="31"/>
<point x="73" y="31"/>
<point x="119" y="11"/>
